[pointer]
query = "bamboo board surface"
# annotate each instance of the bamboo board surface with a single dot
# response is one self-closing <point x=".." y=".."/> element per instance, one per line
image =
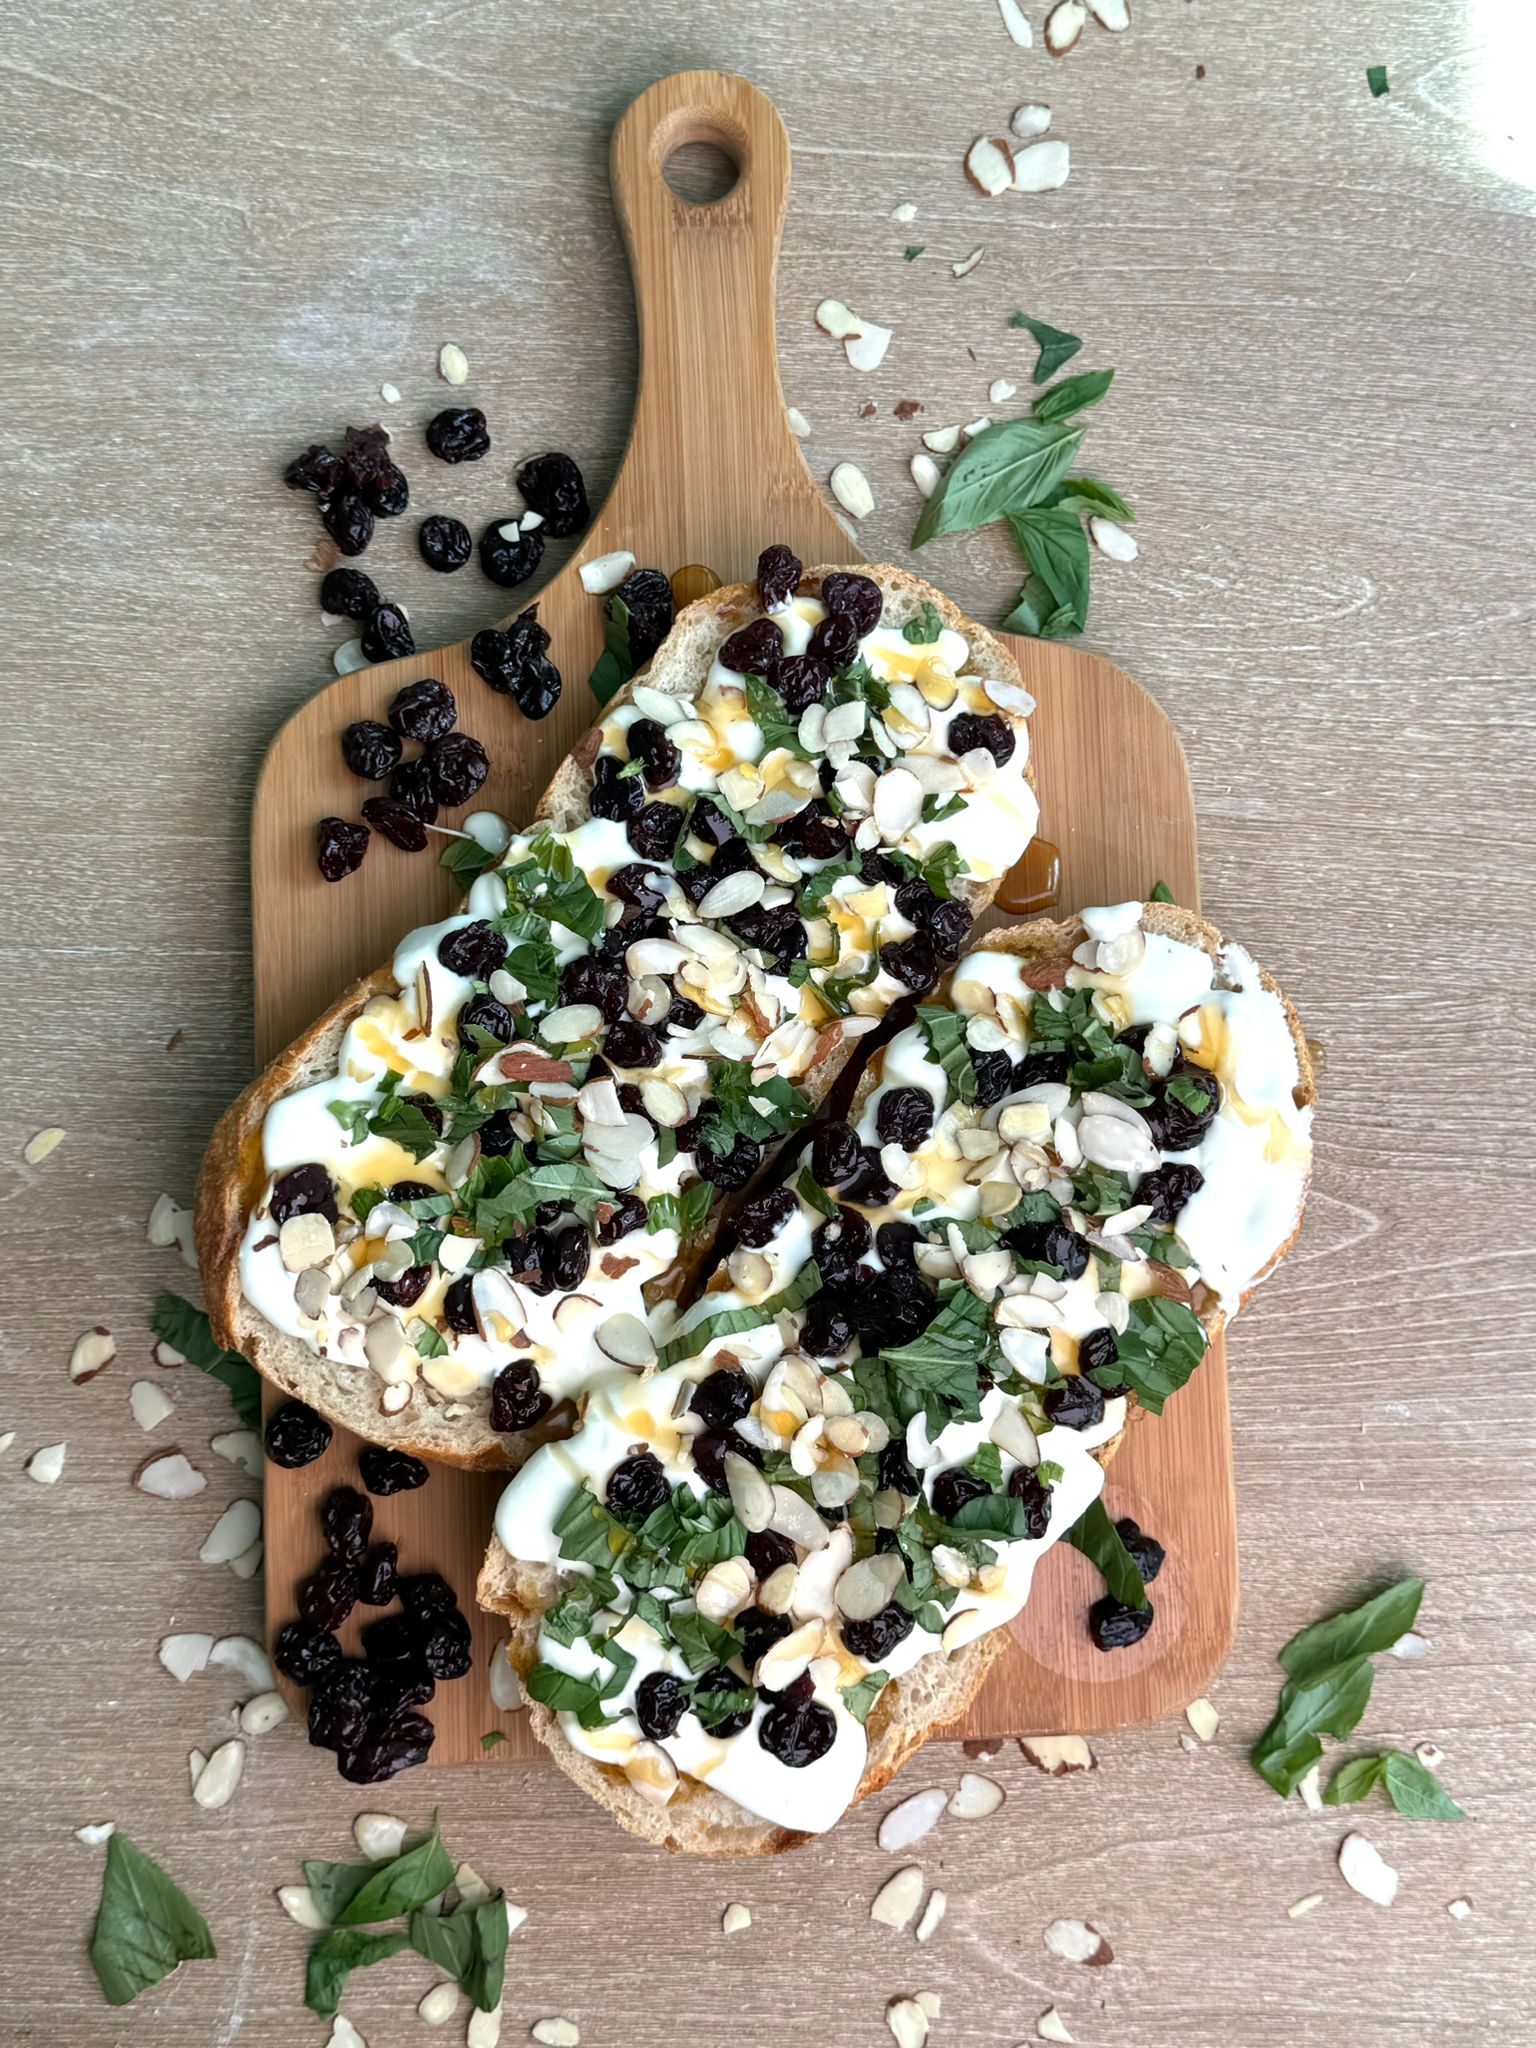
<point x="711" y="474"/>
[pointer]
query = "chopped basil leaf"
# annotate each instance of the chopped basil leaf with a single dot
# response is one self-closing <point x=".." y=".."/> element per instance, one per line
<point x="1072" y="395"/>
<point x="1159" y="1349"/>
<point x="1096" y="1536"/>
<point x="772" y="718"/>
<point x="337" y="1954"/>
<point x="1376" y="79"/>
<point x="859" y="1698"/>
<point x="409" y="1880"/>
<point x="1161" y="893"/>
<point x="353" y="1118"/>
<point x="1333" y="1705"/>
<point x="925" y="628"/>
<point x="187" y="1330"/>
<point x="913" y="250"/>
<point x="614" y="667"/>
<point x="492" y="1740"/>
<point x="743" y="1108"/>
<point x="1358" y="1632"/>
<point x="947" y="1042"/>
<point x="1006" y="468"/>
<point x="814" y="1195"/>
<point x="145" y="1925"/>
<point x="1086" y="494"/>
<point x="686" y="1213"/>
<point x="703" y="1642"/>
<point x="732" y="1321"/>
<point x="941" y="1364"/>
<point x="469" y="1944"/>
<point x="1056" y="347"/>
<point x="466" y="860"/>
<point x="937" y="808"/>
<point x="1055" y="546"/>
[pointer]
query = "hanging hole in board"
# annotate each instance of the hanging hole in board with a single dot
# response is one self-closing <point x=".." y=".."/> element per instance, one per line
<point x="701" y="173"/>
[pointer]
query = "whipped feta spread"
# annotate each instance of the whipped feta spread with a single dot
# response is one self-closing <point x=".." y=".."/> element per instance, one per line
<point x="861" y="1438"/>
<point x="523" y="1130"/>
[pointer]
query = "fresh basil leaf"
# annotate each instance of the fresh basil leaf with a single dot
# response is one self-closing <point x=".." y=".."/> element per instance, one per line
<point x="1006" y="468"/>
<point x="945" y="1031"/>
<point x="1415" y="1790"/>
<point x="772" y="718"/>
<point x="406" y="1123"/>
<point x="1035" y="608"/>
<point x="336" y="1955"/>
<point x="1289" y="1746"/>
<point x="492" y="1740"/>
<point x="353" y="1118"/>
<point x="469" y="1945"/>
<point x="1056" y="548"/>
<point x="145" y="1925"/>
<point x="1161" y="893"/>
<point x="937" y="808"/>
<point x="614" y="667"/>
<point x="427" y="1341"/>
<point x="1362" y="1631"/>
<point x="925" y="628"/>
<point x="732" y="1321"/>
<point x="187" y="1330"/>
<point x="715" y="1708"/>
<point x="400" y="1886"/>
<point x="1159" y="1349"/>
<point x="704" y="1642"/>
<point x="466" y="860"/>
<point x="814" y="1195"/>
<point x="913" y="250"/>
<point x="1355" y="1780"/>
<point x="987" y="1465"/>
<point x="859" y="1698"/>
<point x="1376" y="79"/>
<point x="562" y="1690"/>
<point x="1086" y="495"/>
<point x="740" y="1107"/>
<point x="686" y="1213"/>
<point x="1072" y="395"/>
<point x="1096" y="1536"/>
<point x="1056" y="347"/>
<point x="942" y="1362"/>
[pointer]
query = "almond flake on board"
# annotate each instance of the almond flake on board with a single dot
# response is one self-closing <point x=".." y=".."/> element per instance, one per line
<point x="168" y="1476"/>
<point x="1366" y="1871"/>
<point x="1411" y="1648"/>
<point x="999" y="391"/>
<point x="906" y="211"/>
<point x="196" y="1763"/>
<point x="1203" y="1718"/>
<point x="1301" y="1907"/>
<point x="1058" y="1756"/>
<point x="348" y="658"/>
<point x="43" y="1144"/>
<point x="93" y="1352"/>
<point x="864" y="341"/>
<point x="1051" y="2026"/>
<point x="345" y="2035"/>
<point x="967" y="263"/>
<point x="1077" y="1941"/>
<point x="799" y="425"/>
<point x="259" y="1716"/>
<point x="380" y="1836"/>
<point x="95" y="1833"/>
<point x="1115" y="15"/>
<point x="185" y="1655"/>
<point x="6" y="1440"/>
<point x="942" y="440"/>
<point x="852" y="491"/>
<point x="1030" y="120"/>
<point x="452" y="364"/>
<point x="217" y="1780"/>
<point x="1311" y="1789"/>
<point x="976" y="1797"/>
<point x="246" y="1658"/>
<point x="897" y="1901"/>
<point x="484" y="2029"/>
<point x="390" y="393"/>
<point x="1460" y="1909"/>
<point x="914" y="1817"/>
<point x="989" y="165"/>
<point x="606" y="572"/>
<point x="148" y="1406"/>
<point x="1015" y="23"/>
<point x="241" y="1447"/>
<point x="234" y="1532"/>
<point x="1112" y="540"/>
<point x="908" y="2022"/>
<point x="1064" y="24"/>
<point x="556" y="2033"/>
<point x="933" y="1913"/>
<point x="736" y="1918"/>
<point x="440" y="2004"/>
<point x="298" y="1902"/>
<point x="1042" y="166"/>
<point x="248" y="1563"/>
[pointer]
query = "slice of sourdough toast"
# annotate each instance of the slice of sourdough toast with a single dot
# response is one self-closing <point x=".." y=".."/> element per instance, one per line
<point x="915" y="1706"/>
<point x="233" y="1177"/>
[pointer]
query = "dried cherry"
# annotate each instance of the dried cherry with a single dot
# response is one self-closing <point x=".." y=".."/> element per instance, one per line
<point x="752" y="650"/>
<point x="1114" y="1626"/>
<point x="729" y="1170"/>
<point x="339" y="848"/>
<point x="1175" y="1126"/>
<point x="836" y="1155"/>
<point x="386" y="1471"/>
<point x="1075" y="1402"/>
<point x="647" y="596"/>
<point x="653" y="831"/>
<point x="370" y="750"/>
<point x="1147" y="1554"/>
<point x="859" y="598"/>
<point x="660" y="1701"/>
<point x="904" y="1117"/>
<point x="411" y="785"/>
<point x="722" y="1397"/>
<point x="346" y="1522"/>
<point x="303" y="1190"/>
<point x="1026" y="1485"/>
<point x="834" y="640"/>
<point x="778" y="577"/>
<point x="423" y="710"/>
<point x="714" y="1682"/>
<point x="444" y="543"/>
<point x="317" y="470"/>
<point x="912" y="962"/>
<point x="340" y="1706"/>
<point x="798" y="1733"/>
<point x="839" y="1244"/>
<point x="303" y="1652"/>
<point x="552" y="486"/>
<point x="376" y="1575"/>
<point x="459" y="434"/>
<point x="518" y="1399"/>
<point x="457" y="766"/>
<point x="1050" y="1244"/>
<point x="637" y="1486"/>
<point x="387" y="636"/>
<point x="398" y="823"/>
<point x="953" y="1488"/>
<point x="760" y="1220"/>
<point x="484" y="1015"/>
<point x="388" y="1747"/>
<point x="510" y="553"/>
<point x="627" y="1213"/>
<point x="873" y="1640"/>
<point x="475" y="950"/>
<point x="632" y="1045"/>
<point x="969" y="730"/>
<point x="296" y="1436"/>
<point x="391" y="495"/>
<point x="349" y="593"/>
<point x="329" y="1594"/>
<point x="348" y="519"/>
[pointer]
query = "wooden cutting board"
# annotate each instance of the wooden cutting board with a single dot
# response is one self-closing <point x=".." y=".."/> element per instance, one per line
<point x="711" y="474"/>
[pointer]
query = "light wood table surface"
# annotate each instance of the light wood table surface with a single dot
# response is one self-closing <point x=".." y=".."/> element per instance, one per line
<point x="223" y="228"/>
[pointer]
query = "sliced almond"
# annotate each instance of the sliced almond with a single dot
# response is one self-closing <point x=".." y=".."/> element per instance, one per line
<point x="897" y="1901"/>
<point x="1311" y="1789"/>
<point x="1299" y="1908"/>
<point x="908" y="2022"/>
<point x="96" y="1832"/>
<point x="1064" y="24"/>
<point x="989" y="165"/>
<point x="735" y="1919"/>
<point x="484" y="2029"/>
<point x="869" y="1586"/>
<point x="235" y="1531"/>
<point x="1015" y="23"/>
<point x="606" y="572"/>
<point x="1115" y="15"/>
<point x="241" y="1447"/>
<point x="440" y="2004"/>
<point x="219" y="1777"/>
<point x="164" y="1223"/>
<point x="1058" y="1756"/>
<point x="785" y="1661"/>
<point x="94" y="1351"/>
<point x="185" y="1655"/>
<point x="933" y="1913"/>
<point x="1203" y="1719"/>
<point x="1030" y="120"/>
<point x="975" y="1797"/>
<point x="298" y="1902"/>
<point x="852" y="491"/>
<point x="259" y="1716"/>
<point x="799" y="425"/>
<point x="505" y="1685"/>
<point x="1077" y="1941"/>
<point x="1042" y="166"/>
<point x="866" y="350"/>
<point x="967" y="263"/>
<point x="627" y="1341"/>
<point x="925" y="474"/>
<point x="1366" y="1871"/>
<point x="915" y="1817"/>
<point x="148" y="1406"/>
<point x="452" y="363"/>
<point x="43" y="1144"/>
<point x="245" y="1656"/>
<point x="168" y="1476"/>
<point x="1460" y="1909"/>
<point x="556" y="2033"/>
<point x="571" y="1022"/>
<point x="751" y="1495"/>
<point x="1110" y="538"/>
<point x="834" y="318"/>
<point x="46" y="1465"/>
<point x="1051" y="2026"/>
<point x="898" y="804"/>
<point x="306" y="1240"/>
<point x="380" y="1836"/>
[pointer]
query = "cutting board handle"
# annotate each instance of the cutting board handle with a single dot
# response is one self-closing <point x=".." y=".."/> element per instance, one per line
<point x="709" y="399"/>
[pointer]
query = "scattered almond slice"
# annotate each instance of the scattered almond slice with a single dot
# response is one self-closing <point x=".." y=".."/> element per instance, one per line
<point x="912" y="1819"/>
<point x="248" y="1563"/>
<point x="850" y="486"/>
<point x="989" y="165"/>
<point x="736" y="1918"/>
<point x="168" y="1476"/>
<point x="235" y="1530"/>
<point x="1429" y="1754"/>
<point x="1302" y="1907"/>
<point x="46" y="1465"/>
<point x="908" y="2022"/>
<point x="440" y="2004"/>
<point x="380" y="1836"/>
<point x="898" y="1899"/>
<point x="1366" y="1871"/>
<point x="1059" y="1756"/>
<point x="259" y="1716"/>
<point x="196" y="1763"/>
<point x="348" y="658"/>
<point x="976" y="1797"/>
<point x="245" y="1657"/>
<point x="484" y="2029"/>
<point x="555" y="2033"/>
<point x="167" y="1354"/>
<point x="390" y="393"/>
<point x="96" y="1833"/>
<point x="933" y="1913"/>
<point x="1030" y="119"/>
<point x="345" y="2035"/>
<point x="1110" y="538"/>
<point x="219" y="1777"/>
<point x="866" y="350"/>
<point x="1311" y="1789"/>
<point x="185" y="1655"/>
<point x="298" y="1902"/>
<point x="94" y="1351"/>
<point x="1064" y="24"/>
<point x="931" y="2003"/>
<point x="43" y="1144"/>
<point x="905" y="212"/>
<point x="1411" y="1648"/>
<point x="505" y="1685"/>
<point x="1115" y="15"/>
<point x="1051" y="2026"/>
<point x="1078" y="1941"/>
<point x="925" y="473"/>
<point x="452" y="364"/>
<point x="1014" y="22"/>
<point x="164" y="1222"/>
<point x="975" y="427"/>
<point x="799" y="425"/>
<point x="1042" y="166"/>
<point x="6" y="1440"/>
<point x="942" y="440"/>
<point x="606" y="572"/>
<point x="1203" y="1718"/>
<point x="999" y="391"/>
<point x="1460" y="1909"/>
<point x="967" y="263"/>
<point x="148" y="1406"/>
<point x="470" y="1885"/>
<point x="241" y="1447"/>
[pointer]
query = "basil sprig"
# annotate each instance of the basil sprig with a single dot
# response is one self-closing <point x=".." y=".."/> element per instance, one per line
<point x="146" y="1926"/>
<point x="1096" y="1536"/>
<point x="1329" y="1678"/>
<point x="1411" y="1786"/>
<point x="187" y="1330"/>
<point x="1056" y="346"/>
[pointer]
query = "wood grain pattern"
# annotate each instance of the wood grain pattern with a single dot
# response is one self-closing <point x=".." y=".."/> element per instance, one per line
<point x="221" y="235"/>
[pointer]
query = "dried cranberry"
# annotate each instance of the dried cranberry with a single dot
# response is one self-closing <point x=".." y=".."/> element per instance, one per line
<point x="316" y="470"/>
<point x="398" y="823"/>
<point x="510" y="553"/>
<point x="752" y="650"/>
<point x="339" y="848"/>
<point x="628" y="1213"/>
<point x="411" y="785"/>
<point x="349" y="593"/>
<point x="729" y="1170"/>
<point x="348" y="519"/>
<point x="387" y="1471"/>
<point x="296" y="1436"/>
<point x="646" y="594"/>
<point x="1174" y="1125"/>
<point x="1075" y="1402"/>
<point x="660" y="1700"/>
<point x="712" y="1684"/>
<point x="835" y="1154"/>
<point x="340" y="1706"/>
<point x="346" y="1521"/>
<point x="329" y="1594"/>
<point x="759" y="1631"/>
<point x="388" y="1747"/>
<point x="828" y="1327"/>
<point x="445" y="1646"/>
<point x="893" y="1309"/>
<point x="852" y="596"/>
<point x="1114" y="1626"/>
<point x="649" y="743"/>
<point x="767" y="1550"/>
<point x="370" y="750"/>
<point x="904" y="1117"/>
<point x="459" y="434"/>
<point x="798" y="1734"/>
<point x="637" y="1486"/>
<point x="390" y="497"/>
<point x="423" y="710"/>
<point x="838" y="1246"/>
<point x="474" y="950"/>
<point x="551" y="486"/>
<point x="723" y="1397"/>
<point x="969" y="730"/>
<point x="427" y="1593"/>
<point x="1147" y="1553"/>
<point x="912" y="962"/>
<point x="376" y="1580"/>
<point x="458" y="766"/>
<point x="778" y="577"/>
<point x="895" y="1243"/>
<point x="366" y="458"/>
<point x="953" y="1488"/>
<point x="518" y="1399"/>
<point x="759" y="1221"/>
<point x="684" y="1015"/>
<point x="872" y="1641"/>
<point x="302" y="1651"/>
<point x="444" y="543"/>
<point x="1050" y="1244"/>
<point x="303" y="1190"/>
<point x="1026" y="1485"/>
<point x="1036" y="1067"/>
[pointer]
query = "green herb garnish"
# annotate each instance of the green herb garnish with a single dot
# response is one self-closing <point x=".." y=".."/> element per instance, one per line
<point x="1056" y="347"/>
<point x="1329" y="1677"/>
<point x="187" y="1330"/>
<point x="146" y="1926"/>
<point x="1376" y="79"/>
<point x="1096" y="1536"/>
<point x="1411" y="1786"/>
